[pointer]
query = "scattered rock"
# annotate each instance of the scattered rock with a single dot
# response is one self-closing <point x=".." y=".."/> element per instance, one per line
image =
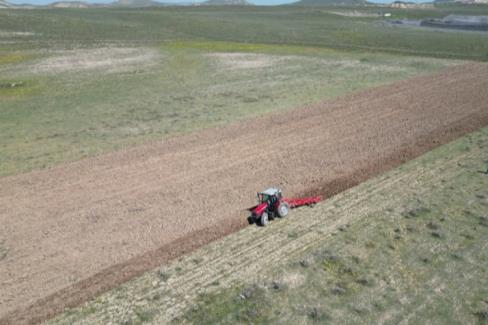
<point x="277" y="285"/>
<point x="436" y="234"/>
<point x="433" y="226"/>
<point x="360" y="309"/>
<point x="248" y="293"/>
<point x="484" y="221"/>
<point x="9" y="85"/>
<point x="348" y="269"/>
<point x="411" y="229"/>
<point x="364" y="281"/>
<point x="316" y="314"/>
<point x="338" y="290"/>
<point x="305" y="263"/>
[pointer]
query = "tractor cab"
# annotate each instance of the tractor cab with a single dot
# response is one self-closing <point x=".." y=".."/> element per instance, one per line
<point x="271" y="193"/>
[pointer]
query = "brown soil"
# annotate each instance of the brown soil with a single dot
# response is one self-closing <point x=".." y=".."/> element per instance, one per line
<point x="76" y="230"/>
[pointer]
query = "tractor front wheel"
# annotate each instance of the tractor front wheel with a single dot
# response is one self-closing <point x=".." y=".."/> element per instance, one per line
<point x="283" y="209"/>
<point x="264" y="219"/>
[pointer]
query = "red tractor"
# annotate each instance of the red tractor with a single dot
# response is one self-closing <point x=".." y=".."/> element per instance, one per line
<point x="271" y="204"/>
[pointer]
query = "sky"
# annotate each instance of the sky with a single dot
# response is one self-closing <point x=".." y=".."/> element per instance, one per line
<point x="256" y="2"/>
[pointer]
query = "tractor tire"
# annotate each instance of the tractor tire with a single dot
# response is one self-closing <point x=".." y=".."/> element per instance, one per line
<point x="264" y="219"/>
<point x="283" y="210"/>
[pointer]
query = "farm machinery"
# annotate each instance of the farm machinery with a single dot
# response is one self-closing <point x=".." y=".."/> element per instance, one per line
<point x="271" y="204"/>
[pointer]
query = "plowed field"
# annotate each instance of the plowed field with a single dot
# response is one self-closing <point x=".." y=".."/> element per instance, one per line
<point x="75" y="230"/>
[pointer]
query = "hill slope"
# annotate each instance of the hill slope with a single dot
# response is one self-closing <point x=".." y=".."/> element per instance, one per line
<point x="227" y="3"/>
<point x="461" y="1"/>
<point x="136" y="3"/>
<point x="69" y="4"/>
<point x="329" y="2"/>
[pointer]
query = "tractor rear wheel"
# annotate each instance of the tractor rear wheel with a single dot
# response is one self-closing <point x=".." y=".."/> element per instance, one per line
<point x="283" y="209"/>
<point x="264" y="219"/>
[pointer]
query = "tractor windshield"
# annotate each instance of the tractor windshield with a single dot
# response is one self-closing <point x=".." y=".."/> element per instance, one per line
<point x="262" y="198"/>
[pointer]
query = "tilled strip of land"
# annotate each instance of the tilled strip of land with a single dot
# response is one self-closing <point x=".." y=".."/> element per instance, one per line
<point x="76" y="230"/>
<point x="258" y="254"/>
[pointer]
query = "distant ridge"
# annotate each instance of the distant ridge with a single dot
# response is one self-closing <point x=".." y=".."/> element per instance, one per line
<point x="462" y="1"/>
<point x="411" y="5"/>
<point x="136" y="3"/>
<point x="329" y="2"/>
<point x="119" y="3"/>
<point x="69" y="4"/>
<point x="227" y="3"/>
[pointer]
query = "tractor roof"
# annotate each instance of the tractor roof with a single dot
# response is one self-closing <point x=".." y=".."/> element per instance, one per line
<point x="270" y="191"/>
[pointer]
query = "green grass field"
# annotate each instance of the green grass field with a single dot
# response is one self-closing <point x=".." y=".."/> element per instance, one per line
<point x="76" y="83"/>
<point x="67" y="105"/>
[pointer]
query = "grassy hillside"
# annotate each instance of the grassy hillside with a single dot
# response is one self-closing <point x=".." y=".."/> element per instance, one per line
<point x="227" y="3"/>
<point x="410" y="245"/>
<point x="69" y="4"/>
<point x="65" y="105"/>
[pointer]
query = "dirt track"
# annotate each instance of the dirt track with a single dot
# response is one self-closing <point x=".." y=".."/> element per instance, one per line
<point x="78" y="229"/>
